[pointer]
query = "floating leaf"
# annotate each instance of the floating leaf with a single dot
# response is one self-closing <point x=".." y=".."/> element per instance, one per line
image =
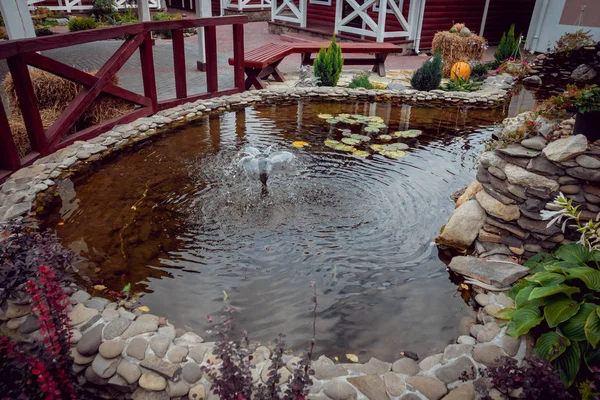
<point x="371" y="129"/>
<point x="344" y="147"/>
<point x="331" y="143"/>
<point x="126" y="288"/>
<point x="393" y="153"/>
<point x="99" y="287"/>
<point x="361" y="153"/>
<point x="325" y="116"/>
<point x="384" y="137"/>
<point x="144" y="308"/>
<point x="350" y="141"/>
<point x="362" y="138"/>
<point x="379" y="125"/>
<point x="394" y="146"/>
<point x="332" y="121"/>
<point x="375" y="118"/>
<point x="336" y="358"/>
<point x="299" y="143"/>
<point x="344" y="115"/>
<point x="376" y="147"/>
<point x="352" y="357"/>
<point x="412" y="133"/>
<point x="346" y="132"/>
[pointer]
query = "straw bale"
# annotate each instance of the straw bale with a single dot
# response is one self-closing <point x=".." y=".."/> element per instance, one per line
<point x="457" y="48"/>
<point x="19" y="132"/>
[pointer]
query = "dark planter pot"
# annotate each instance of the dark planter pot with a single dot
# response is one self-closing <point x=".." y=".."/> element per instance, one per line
<point x="588" y="124"/>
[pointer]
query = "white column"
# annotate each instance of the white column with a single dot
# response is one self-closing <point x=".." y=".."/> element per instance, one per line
<point x="203" y="10"/>
<point x="303" y="12"/>
<point x="380" y="34"/>
<point x="17" y="19"/>
<point x="484" y="19"/>
<point x="143" y="10"/>
<point x="338" y="15"/>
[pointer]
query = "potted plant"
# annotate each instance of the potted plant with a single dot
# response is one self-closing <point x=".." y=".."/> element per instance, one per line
<point x="587" y="119"/>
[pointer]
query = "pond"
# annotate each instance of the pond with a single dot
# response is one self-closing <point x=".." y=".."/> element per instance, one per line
<point x="179" y="220"/>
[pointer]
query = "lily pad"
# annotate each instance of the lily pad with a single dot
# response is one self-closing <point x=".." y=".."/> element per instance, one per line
<point x="325" y="116"/>
<point x="394" y="146"/>
<point x="379" y="125"/>
<point x="362" y="138"/>
<point x="350" y="141"/>
<point x="347" y="132"/>
<point x="361" y="153"/>
<point x="344" y="147"/>
<point x="371" y="129"/>
<point x="384" y="137"/>
<point x="393" y="153"/>
<point x="375" y="118"/>
<point x="376" y="147"/>
<point x="411" y="133"/>
<point x="331" y="143"/>
<point x="332" y="121"/>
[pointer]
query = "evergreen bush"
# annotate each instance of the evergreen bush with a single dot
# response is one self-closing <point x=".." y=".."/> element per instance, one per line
<point x="508" y="46"/>
<point x="328" y="64"/>
<point x="361" y="81"/>
<point x="429" y="75"/>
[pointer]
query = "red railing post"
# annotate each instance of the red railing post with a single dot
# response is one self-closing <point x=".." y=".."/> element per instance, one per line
<point x="148" y="75"/>
<point x="210" y="46"/>
<point x="179" y="63"/>
<point x="9" y="155"/>
<point x="238" y="56"/>
<point x="28" y="104"/>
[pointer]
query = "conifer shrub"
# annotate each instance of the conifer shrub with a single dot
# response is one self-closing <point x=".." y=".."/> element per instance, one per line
<point x="429" y="75"/>
<point x="328" y="64"/>
<point x="508" y="46"/>
<point x="82" y="24"/>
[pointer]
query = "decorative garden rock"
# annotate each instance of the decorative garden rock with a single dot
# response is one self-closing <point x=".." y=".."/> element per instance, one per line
<point x="498" y="273"/>
<point x="565" y="149"/>
<point x="129" y="371"/>
<point x="338" y="389"/>
<point x="371" y="386"/>
<point x="463" y="227"/>
<point x="454" y="370"/>
<point x="376" y="367"/>
<point x="496" y="208"/>
<point x="111" y="348"/>
<point x="394" y="384"/>
<point x="431" y="388"/>
<point x="90" y="341"/>
<point x="406" y="366"/>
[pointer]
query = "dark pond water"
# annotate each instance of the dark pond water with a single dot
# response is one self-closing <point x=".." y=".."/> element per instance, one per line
<point x="178" y="220"/>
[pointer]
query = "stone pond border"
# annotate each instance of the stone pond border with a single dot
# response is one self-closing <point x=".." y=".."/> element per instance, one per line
<point x="120" y="350"/>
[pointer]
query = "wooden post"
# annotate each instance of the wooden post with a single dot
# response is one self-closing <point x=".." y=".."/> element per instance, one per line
<point x="28" y="104"/>
<point x="381" y="19"/>
<point x="179" y="63"/>
<point x="9" y="155"/>
<point x="212" y="73"/>
<point x="143" y="10"/>
<point x="148" y="74"/>
<point x="17" y="19"/>
<point x="203" y="10"/>
<point x="303" y="12"/>
<point x="238" y="55"/>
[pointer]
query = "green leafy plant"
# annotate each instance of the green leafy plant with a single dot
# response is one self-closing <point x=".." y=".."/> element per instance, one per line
<point x="508" y="47"/>
<point x="560" y="300"/>
<point x="3" y="35"/>
<point x="429" y="75"/>
<point x="587" y="99"/>
<point x="82" y="24"/>
<point x="361" y="81"/>
<point x="460" y="84"/>
<point x="328" y="64"/>
<point x="573" y="40"/>
<point x="103" y="9"/>
<point x="165" y="33"/>
<point x="43" y="31"/>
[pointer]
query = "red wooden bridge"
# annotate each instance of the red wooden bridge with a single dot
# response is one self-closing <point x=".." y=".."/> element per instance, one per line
<point x="22" y="53"/>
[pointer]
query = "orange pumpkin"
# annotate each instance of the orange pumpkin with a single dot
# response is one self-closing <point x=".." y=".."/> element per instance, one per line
<point x="460" y="69"/>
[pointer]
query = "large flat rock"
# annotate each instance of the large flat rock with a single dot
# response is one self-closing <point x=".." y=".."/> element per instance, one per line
<point x="463" y="226"/>
<point x="498" y="273"/>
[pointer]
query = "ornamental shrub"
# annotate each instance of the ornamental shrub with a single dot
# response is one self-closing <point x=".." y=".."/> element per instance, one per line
<point x="166" y="33"/>
<point x="429" y="75"/>
<point x="328" y="64"/>
<point x="82" y="24"/>
<point x="508" y="46"/>
<point x="361" y="81"/>
<point x="103" y="9"/>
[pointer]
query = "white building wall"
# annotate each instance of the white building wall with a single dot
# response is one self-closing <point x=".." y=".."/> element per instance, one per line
<point x="545" y="26"/>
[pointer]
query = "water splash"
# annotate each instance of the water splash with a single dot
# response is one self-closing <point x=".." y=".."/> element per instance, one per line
<point x="260" y="165"/>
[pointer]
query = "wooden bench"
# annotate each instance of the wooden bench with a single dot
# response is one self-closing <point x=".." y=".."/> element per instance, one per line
<point x="262" y="62"/>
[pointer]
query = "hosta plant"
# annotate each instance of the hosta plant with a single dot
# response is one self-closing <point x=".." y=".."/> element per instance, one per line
<point x="560" y="301"/>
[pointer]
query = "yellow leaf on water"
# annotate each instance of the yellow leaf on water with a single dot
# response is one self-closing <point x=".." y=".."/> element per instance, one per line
<point x="61" y="223"/>
<point x="99" y="287"/>
<point x="299" y="143"/>
<point x="134" y="208"/>
<point x="144" y="308"/>
<point x="352" y="357"/>
<point x="336" y="359"/>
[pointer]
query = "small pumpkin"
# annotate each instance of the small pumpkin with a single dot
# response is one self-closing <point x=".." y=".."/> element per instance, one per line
<point x="461" y="69"/>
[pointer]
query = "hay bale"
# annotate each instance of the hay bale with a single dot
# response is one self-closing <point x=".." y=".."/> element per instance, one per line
<point x="457" y="48"/>
<point x="55" y="93"/>
<point x="19" y="132"/>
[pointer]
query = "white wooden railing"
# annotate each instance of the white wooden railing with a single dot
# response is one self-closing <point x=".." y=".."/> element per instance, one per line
<point x="288" y="11"/>
<point x="77" y="5"/>
<point x="370" y="27"/>
<point x="245" y="4"/>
